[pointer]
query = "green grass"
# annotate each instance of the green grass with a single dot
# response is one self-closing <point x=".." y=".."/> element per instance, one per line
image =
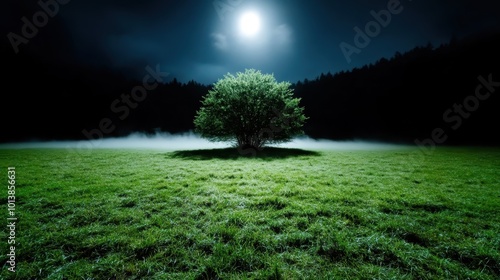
<point x="288" y="214"/>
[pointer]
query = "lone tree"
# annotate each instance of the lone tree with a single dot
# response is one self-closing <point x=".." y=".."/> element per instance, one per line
<point x="251" y="110"/>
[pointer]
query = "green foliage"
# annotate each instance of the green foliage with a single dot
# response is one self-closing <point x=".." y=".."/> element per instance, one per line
<point x="250" y="109"/>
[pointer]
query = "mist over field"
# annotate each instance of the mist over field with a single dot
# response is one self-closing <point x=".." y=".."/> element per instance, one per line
<point x="191" y="141"/>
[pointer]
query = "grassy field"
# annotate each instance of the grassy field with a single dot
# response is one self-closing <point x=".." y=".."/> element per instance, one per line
<point x="287" y="214"/>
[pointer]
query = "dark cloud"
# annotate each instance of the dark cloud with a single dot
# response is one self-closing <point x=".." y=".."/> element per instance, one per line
<point x="300" y="40"/>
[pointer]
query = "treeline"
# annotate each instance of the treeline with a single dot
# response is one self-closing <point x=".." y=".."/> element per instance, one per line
<point x="403" y="98"/>
<point x="412" y="94"/>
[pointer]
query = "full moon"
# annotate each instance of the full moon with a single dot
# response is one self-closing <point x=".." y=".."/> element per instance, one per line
<point x="249" y="24"/>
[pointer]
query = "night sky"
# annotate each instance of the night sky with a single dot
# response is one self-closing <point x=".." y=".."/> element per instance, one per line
<point x="201" y="40"/>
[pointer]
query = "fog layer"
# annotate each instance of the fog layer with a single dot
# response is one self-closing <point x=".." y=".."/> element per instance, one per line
<point x="190" y="141"/>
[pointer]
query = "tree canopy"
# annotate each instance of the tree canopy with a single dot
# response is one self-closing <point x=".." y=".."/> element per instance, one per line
<point x="250" y="109"/>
